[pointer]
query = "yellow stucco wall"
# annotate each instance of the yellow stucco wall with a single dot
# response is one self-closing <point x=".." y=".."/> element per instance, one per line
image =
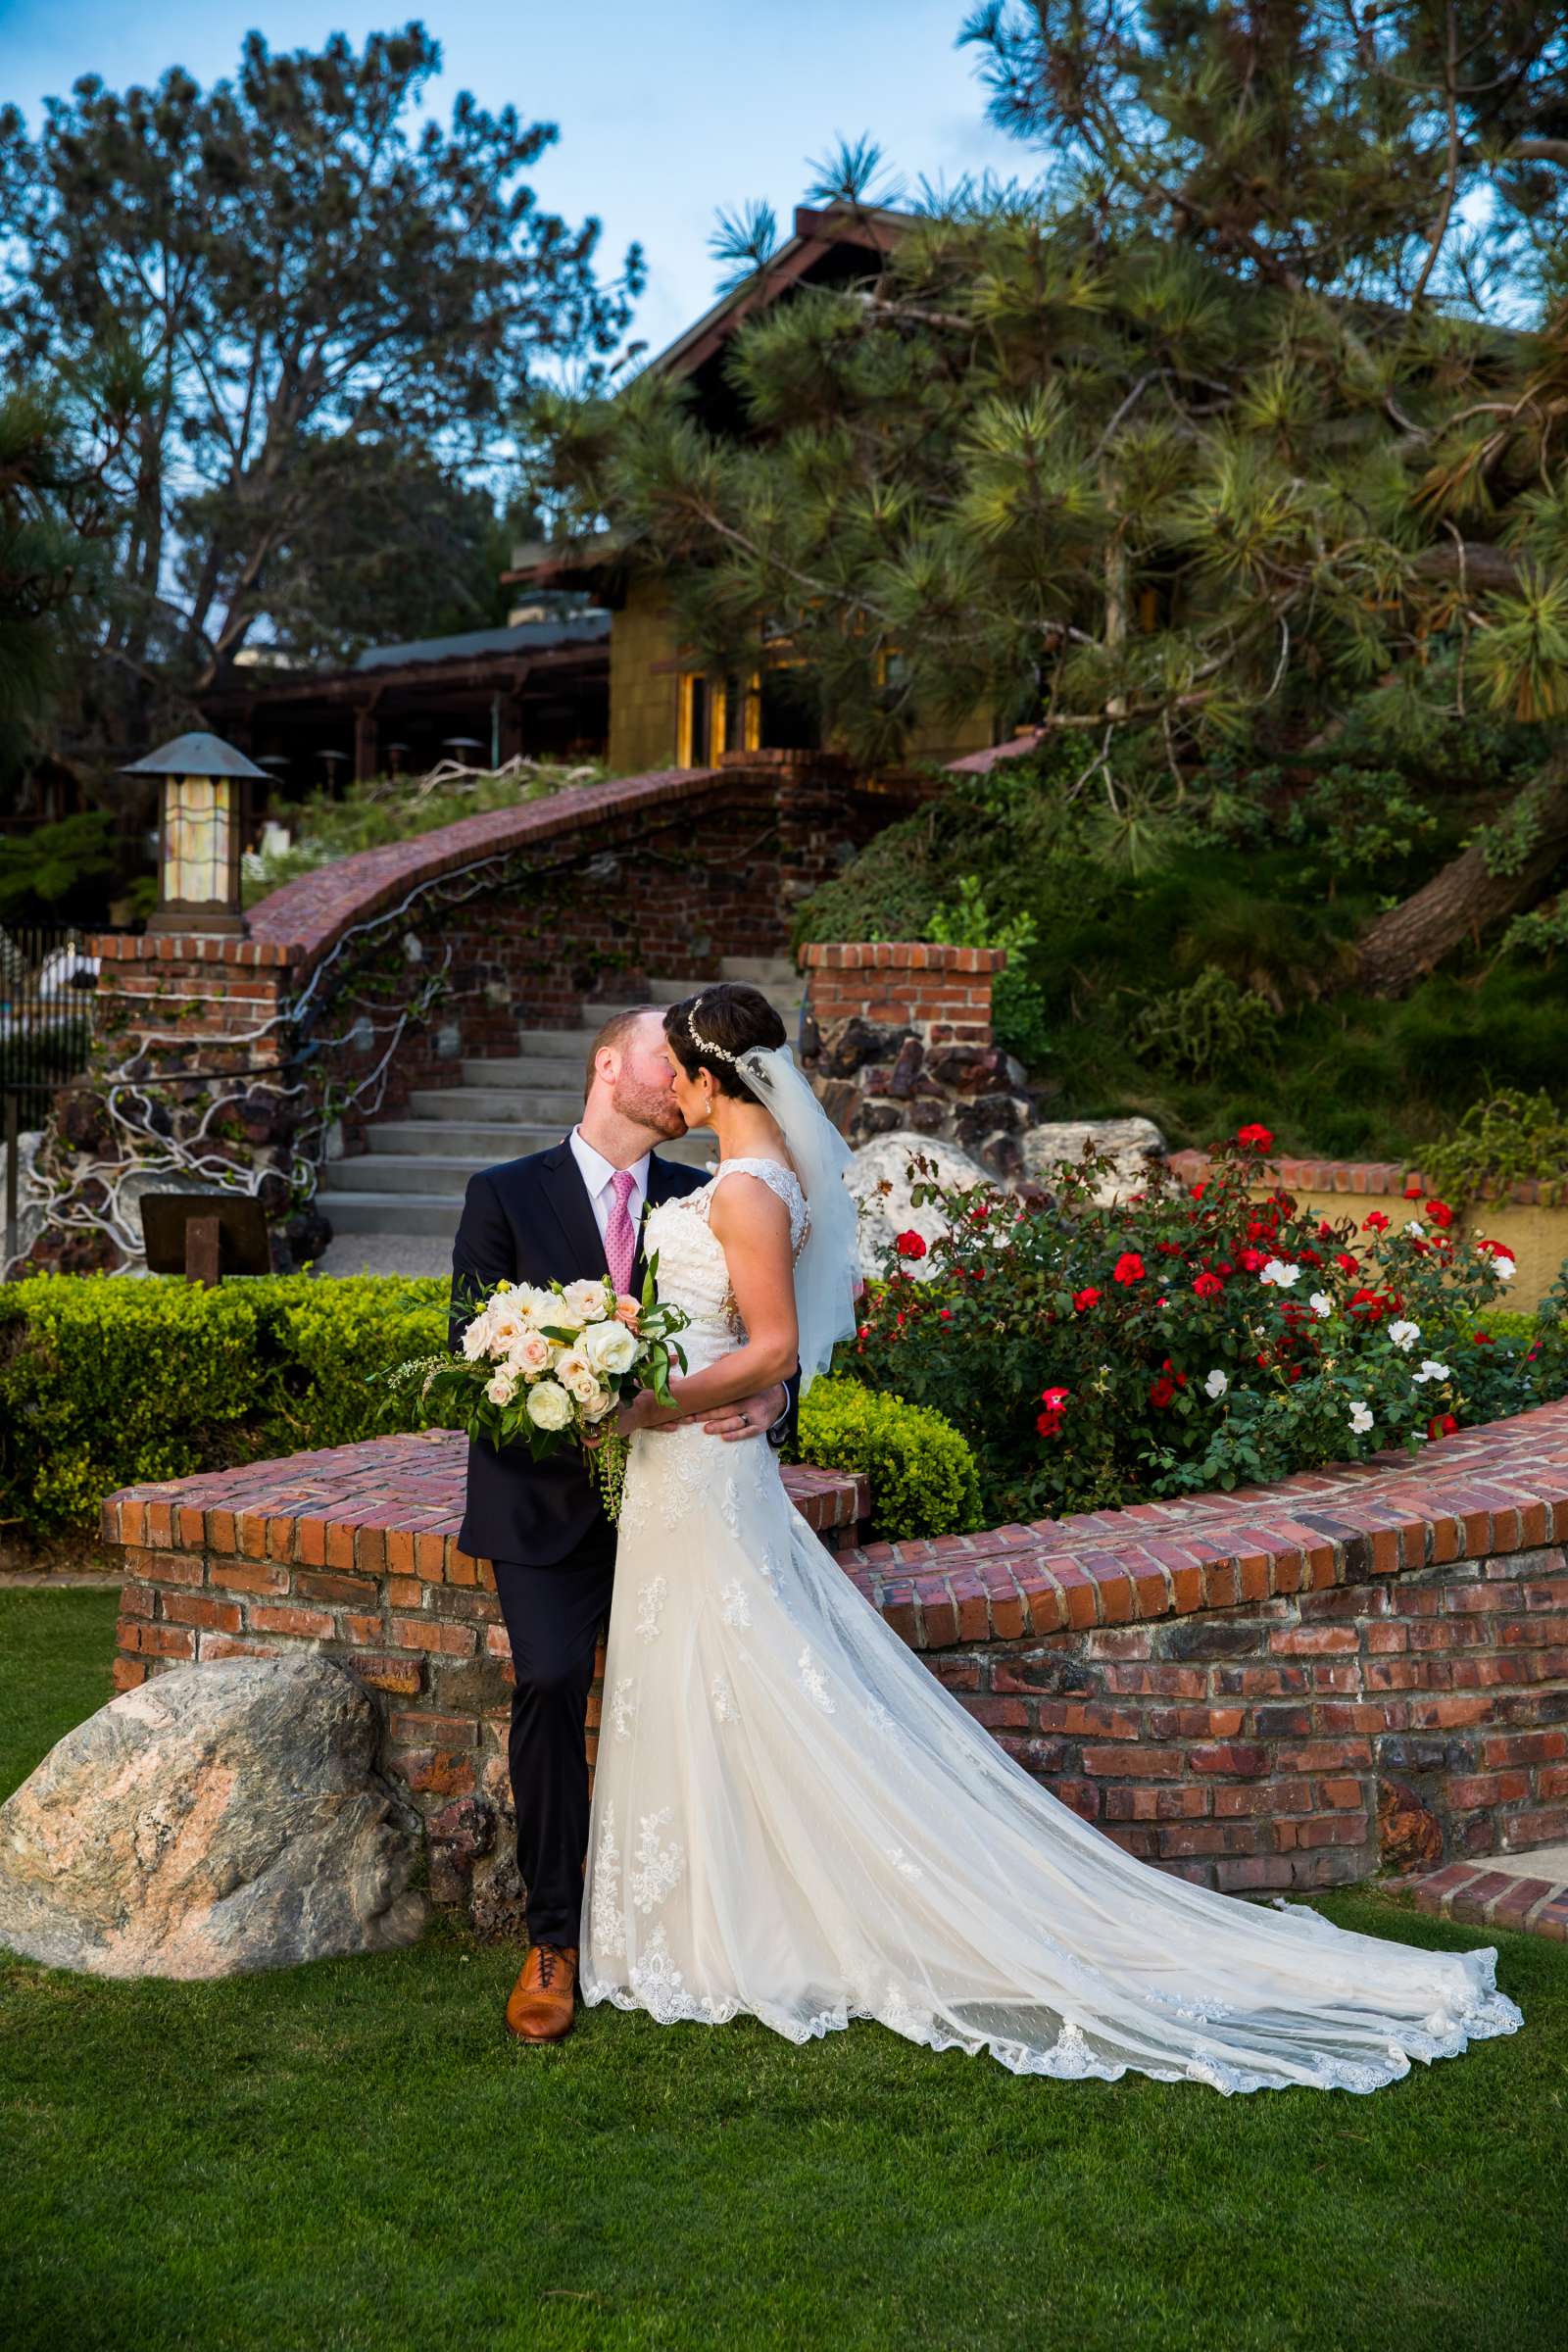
<point x="1536" y="1237"/>
<point x="642" y="694"/>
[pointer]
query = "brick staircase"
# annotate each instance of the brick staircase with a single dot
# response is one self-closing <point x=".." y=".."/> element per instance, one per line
<point x="412" y="1179"/>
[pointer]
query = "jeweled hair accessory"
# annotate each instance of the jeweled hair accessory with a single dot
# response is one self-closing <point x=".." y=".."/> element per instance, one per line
<point x="705" y="1044"/>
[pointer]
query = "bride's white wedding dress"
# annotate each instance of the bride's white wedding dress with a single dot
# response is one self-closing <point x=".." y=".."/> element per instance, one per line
<point x="792" y="1819"/>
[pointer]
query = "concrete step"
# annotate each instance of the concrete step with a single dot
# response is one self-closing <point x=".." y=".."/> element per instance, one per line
<point x="480" y="1141"/>
<point x="482" y="1107"/>
<point x="393" y="1212"/>
<point x="513" y="1070"/>
<point x="444" y="1174"/>
<point x="767" y="972"/>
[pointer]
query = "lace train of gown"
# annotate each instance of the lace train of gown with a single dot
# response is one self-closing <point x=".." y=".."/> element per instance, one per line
<point x="792" y="1819"/>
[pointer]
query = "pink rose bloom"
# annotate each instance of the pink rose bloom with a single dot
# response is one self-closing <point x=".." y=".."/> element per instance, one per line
<point x="628" y="1311"/>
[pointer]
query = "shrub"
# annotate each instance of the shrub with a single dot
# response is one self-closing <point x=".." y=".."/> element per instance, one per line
<point x="109" y="1383"/>
<point x="922" y="1472"/>
<point x="1211" y="1027"/>
<point x="1194" y="1338"/>
<point x="1498" y="1141"/>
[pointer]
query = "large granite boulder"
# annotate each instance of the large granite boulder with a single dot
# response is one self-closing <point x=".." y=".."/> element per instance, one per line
<point x="886" y="1160"/>
<point x="217" y="1820"/>
<point x="1130" y="1143"/>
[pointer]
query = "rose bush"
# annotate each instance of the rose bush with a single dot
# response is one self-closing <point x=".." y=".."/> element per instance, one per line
<point x="1194" y="1336"/>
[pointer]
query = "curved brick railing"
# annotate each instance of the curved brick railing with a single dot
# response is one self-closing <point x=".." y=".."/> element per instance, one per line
<point x="297" y="925"/>
<point x="1364" y="1667"/>
<point x="1359" y="1176"/>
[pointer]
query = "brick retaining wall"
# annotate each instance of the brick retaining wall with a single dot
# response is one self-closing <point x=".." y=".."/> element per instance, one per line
<point x="1364" y="1668"/>
<point x="353" y="1552"/>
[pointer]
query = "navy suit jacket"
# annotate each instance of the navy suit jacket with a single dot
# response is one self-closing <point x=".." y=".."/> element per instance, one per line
<point x="532" y="1220"/>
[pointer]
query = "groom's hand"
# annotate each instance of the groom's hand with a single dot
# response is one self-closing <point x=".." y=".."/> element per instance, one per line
<point x="753" y="1417"/>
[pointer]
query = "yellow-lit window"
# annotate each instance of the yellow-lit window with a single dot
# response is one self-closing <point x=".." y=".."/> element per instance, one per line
<point x="694" y="721"/>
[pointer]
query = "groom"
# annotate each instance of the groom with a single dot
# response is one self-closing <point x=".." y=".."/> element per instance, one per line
<point x="559" y="1214"/>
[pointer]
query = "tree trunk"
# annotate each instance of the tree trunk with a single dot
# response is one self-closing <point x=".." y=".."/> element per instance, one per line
<point x="1463" y="900"/>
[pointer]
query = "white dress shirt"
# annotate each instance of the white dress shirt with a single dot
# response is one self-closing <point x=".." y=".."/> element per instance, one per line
<point x="597" y="1173"/>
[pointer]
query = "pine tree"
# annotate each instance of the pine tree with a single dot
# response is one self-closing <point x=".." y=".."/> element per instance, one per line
<point x="1242" y="426"/>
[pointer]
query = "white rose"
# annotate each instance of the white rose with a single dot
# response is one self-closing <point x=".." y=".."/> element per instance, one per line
<point x="500" y="1388"/>
<point x="1432" y="1371"/>
<point x="576" y="1374"/>
<point x="1279" y="1272"/>
<point x="595" y="1407"/>
<point x="530" y="1354"/>
<point x="549" y="1406"/>
<point x="1321" y="1304"/>
<point x="478" y="1335"/>
<point x="1216" y="1384"/>
<point x="1505" y="1268"/>
<point x="1360" y="1419"/>
<point x="609" y="1346"/>
<point x="1410" y="1226"/>
<point x="588" y="1301"/>
<point x="1405" y="1335"/>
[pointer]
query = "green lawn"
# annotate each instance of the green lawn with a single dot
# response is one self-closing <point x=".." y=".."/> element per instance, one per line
<point x="352" y="2155"/>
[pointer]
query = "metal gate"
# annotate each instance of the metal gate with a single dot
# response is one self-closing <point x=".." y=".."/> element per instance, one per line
<point x="47" y="979"/>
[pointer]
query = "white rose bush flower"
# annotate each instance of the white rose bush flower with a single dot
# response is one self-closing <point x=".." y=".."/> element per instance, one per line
<point x="544" y="1369"/>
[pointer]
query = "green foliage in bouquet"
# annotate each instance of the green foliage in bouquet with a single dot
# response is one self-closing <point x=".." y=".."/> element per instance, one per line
<point x="922" y="1472"/>
<point x="1194" y="1338"/>
<point x="542" y="1367"/>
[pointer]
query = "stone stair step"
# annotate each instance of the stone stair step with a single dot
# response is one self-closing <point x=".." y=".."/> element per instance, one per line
<point x="479" y="1141"/>
<point x="476" y="1106"/>
<point x="765" y="973"/>
<point x="510" y="1070"/>
<point x="393" y="1212"/>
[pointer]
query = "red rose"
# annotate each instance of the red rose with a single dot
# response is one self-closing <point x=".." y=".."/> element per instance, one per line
<point x="1169" y="1249"/>
<point x="1251" y="1262"/>
<point x="864" y="1332"/>
<point x="1346" y="1263"/>
<point x="1325" y="1231"/>
<point x="1441" y="1214"/>
<point x="1161" y="1392"/>
<point x="1481" y="1339"/>
<point x="1129" y="1267"/>
<point x="944" y="1314"/>
<point x="1377" y="1222"/>
<point x="911" y="1244"/>
<point x="1254" y="1139"/>
<point x="1412" y="1192"/>
<point x="1223" y="1266"/>
<point x="1055" y="1398"/>
<point x="1441" y="1425"/>
<point x="1083" y="1300"/>
<point x="1199" y="1190"/>
<point x="1208" y="1285"/>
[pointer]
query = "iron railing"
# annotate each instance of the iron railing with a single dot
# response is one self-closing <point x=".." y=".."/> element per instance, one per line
<point x="46" y="982"/>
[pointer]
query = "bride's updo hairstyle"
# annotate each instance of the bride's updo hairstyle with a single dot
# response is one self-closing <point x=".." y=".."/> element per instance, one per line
<point x="730" y="1019"/>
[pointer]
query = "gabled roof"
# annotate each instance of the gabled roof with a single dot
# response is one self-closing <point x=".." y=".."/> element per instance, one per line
<point x="828" y="245"/>
<point x="819" y="238"/>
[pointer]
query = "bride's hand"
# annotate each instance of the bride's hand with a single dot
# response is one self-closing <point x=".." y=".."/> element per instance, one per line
<point x="637" y="1415"/>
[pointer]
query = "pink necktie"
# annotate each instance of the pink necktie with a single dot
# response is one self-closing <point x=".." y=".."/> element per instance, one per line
<point x="620" y="1242"/>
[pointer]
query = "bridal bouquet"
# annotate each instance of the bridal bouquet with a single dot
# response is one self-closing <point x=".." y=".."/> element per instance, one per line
<point x="548" y="1368"/>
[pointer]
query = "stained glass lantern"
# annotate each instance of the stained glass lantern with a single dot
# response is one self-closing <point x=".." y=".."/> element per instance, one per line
<point x="204" y="785"/>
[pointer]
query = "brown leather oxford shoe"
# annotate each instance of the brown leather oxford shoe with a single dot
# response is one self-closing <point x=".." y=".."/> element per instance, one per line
<point x="543" y="2000"/>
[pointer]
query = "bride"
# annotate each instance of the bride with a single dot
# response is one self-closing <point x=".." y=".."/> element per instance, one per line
<point x="793" y="1820"/>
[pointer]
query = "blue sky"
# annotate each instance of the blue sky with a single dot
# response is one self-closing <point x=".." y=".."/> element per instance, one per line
<point x="664" y="114"/>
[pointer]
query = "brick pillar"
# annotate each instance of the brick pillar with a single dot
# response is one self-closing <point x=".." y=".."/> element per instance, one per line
<point x="943" y="994"/>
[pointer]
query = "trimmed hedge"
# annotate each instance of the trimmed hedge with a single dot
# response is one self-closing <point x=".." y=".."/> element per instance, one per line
<point x="109" y="1382"/>
<point x="924" y="1481"/>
